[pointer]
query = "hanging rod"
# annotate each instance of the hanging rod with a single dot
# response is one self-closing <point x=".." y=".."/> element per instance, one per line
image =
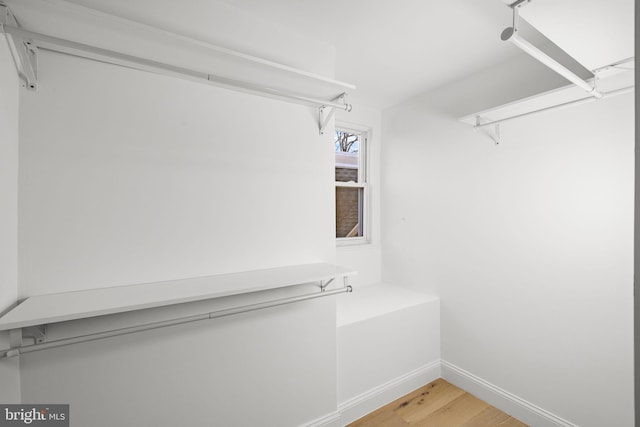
<point x="116" y="58"/>
<point x="12" y="352"/>
<point x="557" y="106"/>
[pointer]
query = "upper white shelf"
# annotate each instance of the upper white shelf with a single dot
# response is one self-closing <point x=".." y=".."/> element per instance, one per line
<point x="610" y="79"/>
<point x="77" y="30"/>
<point x="60" y="307"/>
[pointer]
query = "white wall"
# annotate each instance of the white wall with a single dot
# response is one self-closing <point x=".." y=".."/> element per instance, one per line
<point x="131" y="177"/>
<point x="9" y="100"/>
<point x="529" y="244"/>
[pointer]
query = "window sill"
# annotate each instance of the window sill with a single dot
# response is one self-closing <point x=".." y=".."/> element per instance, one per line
<point x="352" y="241"/>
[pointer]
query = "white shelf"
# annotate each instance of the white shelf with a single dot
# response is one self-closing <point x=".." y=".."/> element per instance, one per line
<point x="611" y="79"/>
<point x="77" y="30"/>
<point x="60" y="307"/>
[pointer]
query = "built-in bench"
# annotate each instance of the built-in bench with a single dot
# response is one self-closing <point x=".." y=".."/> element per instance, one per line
<point x="388" y="345"/>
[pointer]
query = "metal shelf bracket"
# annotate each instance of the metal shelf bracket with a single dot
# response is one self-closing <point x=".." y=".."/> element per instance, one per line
<point x="17" y="336"/>
<point x="495" y="136"/>
<point x="23" y="50"/>
<point x="324" y="284"/>
<point x="37" y="333"/>
<point x="327" y="112"/>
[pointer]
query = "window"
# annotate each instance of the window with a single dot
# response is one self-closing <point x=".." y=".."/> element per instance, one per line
<point x="351" y="185"/>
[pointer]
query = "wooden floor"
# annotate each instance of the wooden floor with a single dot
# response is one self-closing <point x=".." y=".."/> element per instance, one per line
<point x="438" y="404"/>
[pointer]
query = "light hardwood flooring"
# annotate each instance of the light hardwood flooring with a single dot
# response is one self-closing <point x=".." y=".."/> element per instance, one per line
<point x="438" y="404"/>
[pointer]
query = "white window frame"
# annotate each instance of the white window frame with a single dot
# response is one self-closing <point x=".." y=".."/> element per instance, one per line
<point x="363" y="182"/>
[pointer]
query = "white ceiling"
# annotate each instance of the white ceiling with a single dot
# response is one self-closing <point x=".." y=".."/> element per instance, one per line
<point x="393" y="50"/>
<point x="595" y="32"/>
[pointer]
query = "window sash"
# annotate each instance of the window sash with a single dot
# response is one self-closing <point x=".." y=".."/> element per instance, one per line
<point x="345" y="241"/>
<point x="363" y="167"/>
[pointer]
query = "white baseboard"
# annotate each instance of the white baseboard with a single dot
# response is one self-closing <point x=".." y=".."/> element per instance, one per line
<point x="513" y="405"/>
<point x="372" y="399"/>
<point x="375" y="398"/>
<point x="330" y="420"/>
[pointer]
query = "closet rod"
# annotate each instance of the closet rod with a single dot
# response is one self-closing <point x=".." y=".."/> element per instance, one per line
<point x="12" y="352"/>
<point x="564" y="104"/>
<point x="130" y="61"/>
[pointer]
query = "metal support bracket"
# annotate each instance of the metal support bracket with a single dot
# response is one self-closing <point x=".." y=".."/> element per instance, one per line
<point x="495" y="136"/>
<point x="15" y="342"/>
<point x="519" y="3"/>
<point x="15" y="338"/>
<point x="326" y="112"/>
<point x="323" y="284"/>
<point x="24" y="51"/>
<point x="345" y="282"/>
<point x="515" y="7"/>
<point x="38" y="333"/>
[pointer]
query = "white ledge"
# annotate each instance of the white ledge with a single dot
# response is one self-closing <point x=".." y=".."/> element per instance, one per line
<point x="60" y="307"/>
<point x="370" y="301"/>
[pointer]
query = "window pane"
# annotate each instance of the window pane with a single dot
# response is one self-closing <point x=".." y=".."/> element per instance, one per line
<point x="347" y="148"/>
<point x="349" y="206"/>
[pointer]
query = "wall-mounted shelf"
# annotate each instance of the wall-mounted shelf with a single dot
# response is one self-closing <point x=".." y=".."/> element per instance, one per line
<point x="76" y="30"/>
<point x="37" y="311"/>
<point x="614" y="79"/>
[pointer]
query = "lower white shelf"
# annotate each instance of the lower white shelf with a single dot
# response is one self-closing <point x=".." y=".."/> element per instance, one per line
<point x="60" y="307"/>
